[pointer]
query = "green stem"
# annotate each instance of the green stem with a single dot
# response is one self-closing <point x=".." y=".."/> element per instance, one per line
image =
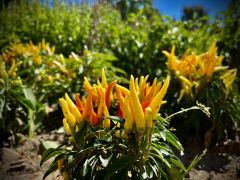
<point x="198" y="107"/>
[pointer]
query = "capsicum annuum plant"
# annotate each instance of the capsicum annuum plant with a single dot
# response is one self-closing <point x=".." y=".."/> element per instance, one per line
<point x="203" y="78"/>
<point x="194" y="71"/>
<point x="117" y="132"/>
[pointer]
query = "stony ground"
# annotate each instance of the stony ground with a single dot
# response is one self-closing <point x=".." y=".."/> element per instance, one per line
<point x="22" y="162"/>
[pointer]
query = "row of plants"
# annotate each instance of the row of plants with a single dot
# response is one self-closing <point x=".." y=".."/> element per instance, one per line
<point x="134" y="45"/>
<point x="114" y="131"/>
<point x="33" y="77"/>
<point x="117" y="132"/>
<point x="136" y="41"/>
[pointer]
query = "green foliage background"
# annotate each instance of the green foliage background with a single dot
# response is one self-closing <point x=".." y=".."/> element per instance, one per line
<point x="128" y="41"/>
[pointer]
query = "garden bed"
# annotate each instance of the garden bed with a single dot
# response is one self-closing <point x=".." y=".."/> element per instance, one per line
<point x="23" y="162"/>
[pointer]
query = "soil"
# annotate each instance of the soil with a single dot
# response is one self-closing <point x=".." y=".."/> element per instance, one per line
<point x="23" y="161"/>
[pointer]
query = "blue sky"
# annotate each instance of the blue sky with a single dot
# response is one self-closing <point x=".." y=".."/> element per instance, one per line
<point x="173" y="8"/>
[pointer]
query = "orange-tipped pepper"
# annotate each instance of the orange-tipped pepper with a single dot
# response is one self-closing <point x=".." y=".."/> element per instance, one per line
<point x="87" y="114"/>
<point x="108" y="93"/>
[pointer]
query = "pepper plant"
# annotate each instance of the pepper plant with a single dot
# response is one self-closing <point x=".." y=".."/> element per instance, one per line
<point x="116" y="132"/>
<point x="203" y="78"/>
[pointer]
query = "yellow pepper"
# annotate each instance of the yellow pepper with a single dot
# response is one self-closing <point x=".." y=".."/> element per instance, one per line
<point x="152" y="90"/>
<point x="104" y="79"/>
<point x="87" y="85"/>
<point x="128" y="115"/>
<point x="108" y="97"/>
<point x="66" y="127"/>
<point x="73" y="109"/>
<point x="137" y="110"/>
<point x="68" y="115"/>
<point x="60" y="164"/>
<point x="102" y="104"/>
<point x="157" y="100"/>
<point x="124" y="90"/>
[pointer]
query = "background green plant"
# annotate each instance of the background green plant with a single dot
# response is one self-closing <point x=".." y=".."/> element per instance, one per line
<point x="123" y="35"/>
<point x="136" y="41"/>
<point x="31" y="80"/>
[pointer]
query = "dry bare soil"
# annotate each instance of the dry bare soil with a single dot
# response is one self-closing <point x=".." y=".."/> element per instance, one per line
<point x="23" y="161"/>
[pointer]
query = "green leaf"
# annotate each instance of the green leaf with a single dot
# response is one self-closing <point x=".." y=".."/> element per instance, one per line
<point x="161" y="119"/>
<point x="118" y="164"/>
<point x="163" y="174"/>
<point x="195" y="161"/>
<point x="105" y="161"/>
<point x="171" y="138"/>
<point x="178" y="163"/>
<point x="49" y="144"/>
<point x="28" y="93"/>
<point x="148" y="174"/>
<point x="53" y="167"/>
<point x="159" y="155"/>
<point x="79" y="136"/>
<point x="162" y="146"/>
<point x="25" y="102"/>
<point x="50" y="153"/>
<point x="114" y="118"/>
<point x="163" y="135"/>
<point x="154" y="169"/>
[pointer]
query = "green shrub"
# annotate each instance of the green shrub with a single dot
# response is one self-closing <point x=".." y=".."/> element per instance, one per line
<point x="42" y="77"/>
<point x="65" y="26"/>
<point x="136" y="42"/>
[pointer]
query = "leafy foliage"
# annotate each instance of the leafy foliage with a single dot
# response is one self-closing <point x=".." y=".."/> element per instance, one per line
<point x="136" y="41"/>
<point x="103" y="155"/>
<point x="33" y="75"/>
<point x="119" y="36"/>
<point x="19" y="108"/>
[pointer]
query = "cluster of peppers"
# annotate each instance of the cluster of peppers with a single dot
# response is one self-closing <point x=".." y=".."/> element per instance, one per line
<point x="138" y="105"/>
<point x="195" y="71"/>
